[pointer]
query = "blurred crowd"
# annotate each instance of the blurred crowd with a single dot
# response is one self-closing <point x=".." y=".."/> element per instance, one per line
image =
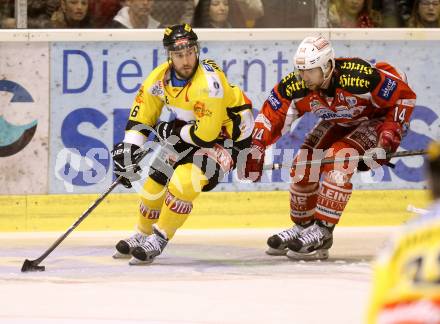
<point x="224" y="13"/>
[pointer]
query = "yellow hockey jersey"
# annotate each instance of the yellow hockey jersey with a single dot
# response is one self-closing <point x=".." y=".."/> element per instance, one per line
<point x="406" y="284"/>
<point x="212" y="106"/>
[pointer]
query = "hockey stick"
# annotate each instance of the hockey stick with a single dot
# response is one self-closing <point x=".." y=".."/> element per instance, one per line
<point x="278" y="166"/>
<point x="33" y="265"/>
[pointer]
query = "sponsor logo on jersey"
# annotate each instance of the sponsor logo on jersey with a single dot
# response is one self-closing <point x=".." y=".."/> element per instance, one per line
<point x="340" y="108"/>
<point x="353" y="66"/>
<point x="215" y="88"/>
<point x="356" y="82"/>
<point x="176" y="205"/>
<point x="356" y="111"/>
<point x="328" y="114"/>
<point x="425" y="233"/>
<point x="337" y="176"/>
<point x="156" y="89"/>
<point x="352" y="111"/>
<point x="139" y="95"/>
<point x="287" y="77"/>
<point x="208" y="67"/>
<point x="315" y="105"/>
<point x="211" y="64"/>
<point x="274" y="101"/>
<point x="149" y="213"/>
<point x="341" y="96"/>
<point x="294" y="86"/>
<point x="219" y="154"/>
<point x="387" y="89"/>
<point x="265" y="121"/>
<point x="200" y="110"/>
<point x="351" y="101"/>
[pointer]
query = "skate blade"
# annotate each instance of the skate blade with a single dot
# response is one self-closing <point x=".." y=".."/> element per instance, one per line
<point x="276" y="252"/>
<point x="312" y="256"/>
<point x="135" y="262"/>
<point x="119" y="255"/>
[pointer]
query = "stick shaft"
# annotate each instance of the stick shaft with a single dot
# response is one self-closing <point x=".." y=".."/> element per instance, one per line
<point x="277" y="166"/>
<point x="77" y="222"/>
<point x="83" y="216"/>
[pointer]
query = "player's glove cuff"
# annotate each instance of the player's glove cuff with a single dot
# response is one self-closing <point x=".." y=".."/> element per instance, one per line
<point x="253" y="169"/>
<point x="125" y="160"/>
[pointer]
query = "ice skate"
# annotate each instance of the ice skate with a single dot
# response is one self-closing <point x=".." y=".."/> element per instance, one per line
<point x="278" y="243"/>
<point x="312" y="244"/>
<point x="125" y="247"/>
<point x="149" y="249"/>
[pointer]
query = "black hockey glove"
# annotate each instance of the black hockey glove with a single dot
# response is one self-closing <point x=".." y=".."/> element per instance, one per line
<point x="125" y="156"/>
<point x="166" y="129"/>
<point x="169" y="133"/>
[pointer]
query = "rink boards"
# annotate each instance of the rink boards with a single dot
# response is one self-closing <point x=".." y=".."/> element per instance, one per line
<point x="65" y="106"/>
<point x="211" y="210"/>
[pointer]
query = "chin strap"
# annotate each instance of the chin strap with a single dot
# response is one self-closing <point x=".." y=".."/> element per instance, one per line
<point x="327" y="78"/>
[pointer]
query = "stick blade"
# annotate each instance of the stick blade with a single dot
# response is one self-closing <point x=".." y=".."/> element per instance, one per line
<point x="29" y="265"/>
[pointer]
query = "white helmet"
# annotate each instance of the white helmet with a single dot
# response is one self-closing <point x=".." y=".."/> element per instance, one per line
<point x="314" y="52"/>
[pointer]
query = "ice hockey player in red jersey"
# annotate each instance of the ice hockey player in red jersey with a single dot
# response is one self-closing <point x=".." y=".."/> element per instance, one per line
<point x="360" y="106"/>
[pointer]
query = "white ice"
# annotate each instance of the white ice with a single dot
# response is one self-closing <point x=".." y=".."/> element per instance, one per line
<point x="203" y="276"/>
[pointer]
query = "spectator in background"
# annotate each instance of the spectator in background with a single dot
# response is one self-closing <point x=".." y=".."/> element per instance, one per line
<point x="38" y="14"/>
<point x="71" y="14"/>
<point x="135" y="14"/>
<point x="425" y="14"/>
<point x="212" y="14"/>
<point x="390" y="13"/>
<point x="353" y="14"/>
<point x="7" y="19"/>
<point x="7" y="8"/>
<point x="52" y="6"/>
<point x="8" y="23"/>
<point x="243" y="13"/>
<point x="103" y="11"/>
<point x="172" y="12"/>
<point x="224" y="13"/>
<point x="404" y="9"/>
<point x="287" y="14"/>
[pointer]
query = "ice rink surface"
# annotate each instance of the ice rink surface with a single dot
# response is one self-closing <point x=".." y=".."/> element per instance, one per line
<point x="203" y="276"/>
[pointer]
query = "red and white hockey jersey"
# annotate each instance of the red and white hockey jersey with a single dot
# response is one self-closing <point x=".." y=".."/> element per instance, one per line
<point x="358" y="91"/>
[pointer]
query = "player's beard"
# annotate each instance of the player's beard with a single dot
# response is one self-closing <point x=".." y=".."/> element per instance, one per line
<point x="312" y="87"/>
<point x="186" y="72"/>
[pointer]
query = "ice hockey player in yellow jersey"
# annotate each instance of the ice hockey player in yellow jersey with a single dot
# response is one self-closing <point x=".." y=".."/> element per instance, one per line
<point x="212" y="123"/>
<point x="406" y="285"/>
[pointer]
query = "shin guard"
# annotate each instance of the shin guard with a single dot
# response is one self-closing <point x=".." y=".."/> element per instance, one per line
<point x="333" y="196"/>
<point x="151" y="203"/>
<point x="302" y="202"/>
<point x="184" y="187"/>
